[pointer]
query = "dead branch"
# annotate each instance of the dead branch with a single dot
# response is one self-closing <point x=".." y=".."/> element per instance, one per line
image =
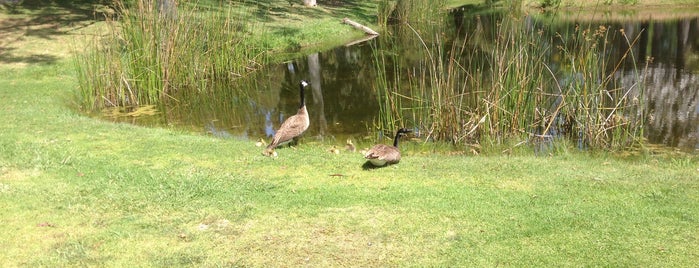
<point x="367" y="30"/>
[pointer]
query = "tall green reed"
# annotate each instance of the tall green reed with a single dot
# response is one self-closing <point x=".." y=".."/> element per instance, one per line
<point x="385" y="83"/>
<point x="602" y="112"/>
<point x="513" y="80"/>
<point x="495" y="85"/>
<point x="430" y="77"/>
<point x="402" y="92"/>
<point x="149" y="56"/>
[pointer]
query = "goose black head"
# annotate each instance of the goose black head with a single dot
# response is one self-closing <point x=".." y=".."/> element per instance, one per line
<point x="403" y="131"/>
<point x="399" y="133"/>
<point x="302" y="85"/>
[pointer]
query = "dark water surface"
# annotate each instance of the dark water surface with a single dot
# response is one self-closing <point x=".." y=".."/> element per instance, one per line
<point x="342" y="99"/>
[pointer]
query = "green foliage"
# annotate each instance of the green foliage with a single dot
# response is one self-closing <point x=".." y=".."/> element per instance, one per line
<point x="491" y="86"/>
<point x="550" y="3"/>
<point x="151" y="55"/>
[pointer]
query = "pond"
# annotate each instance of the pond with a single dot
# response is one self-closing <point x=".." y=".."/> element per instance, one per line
<point x="344" y="99"/>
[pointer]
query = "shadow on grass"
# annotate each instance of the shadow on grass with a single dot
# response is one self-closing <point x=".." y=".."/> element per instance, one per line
<point x="293" y="10"/>
<point x="48" y="20"/>
<point x="6" y="56"/>
<point x="267" y="11"/>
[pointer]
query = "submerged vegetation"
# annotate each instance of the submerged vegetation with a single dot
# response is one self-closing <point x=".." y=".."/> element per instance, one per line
<point x="493" y="86"/>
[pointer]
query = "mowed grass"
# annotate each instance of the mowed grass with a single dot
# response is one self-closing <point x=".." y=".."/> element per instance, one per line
<point x="77" y="191"/>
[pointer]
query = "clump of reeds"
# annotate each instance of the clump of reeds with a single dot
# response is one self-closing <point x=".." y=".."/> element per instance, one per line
<point x="402" y="92"/>
<point x="492" y="86"/>
<point x="150" y="54"/>
<point x="601" y="112"/>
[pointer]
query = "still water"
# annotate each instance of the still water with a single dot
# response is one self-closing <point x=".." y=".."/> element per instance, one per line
<point x="342" y="99"/>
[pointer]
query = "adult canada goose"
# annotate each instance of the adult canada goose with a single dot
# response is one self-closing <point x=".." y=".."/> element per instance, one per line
<point x="292" y="127"/>
<point x="382" y="154"/>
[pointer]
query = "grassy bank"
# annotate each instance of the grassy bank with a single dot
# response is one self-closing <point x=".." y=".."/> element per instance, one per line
<point x="76" y="191"/>
<point x="642" y="4"/>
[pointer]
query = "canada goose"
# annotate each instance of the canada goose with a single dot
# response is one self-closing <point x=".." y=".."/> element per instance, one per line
<point x="382" y="154"/>
<point x="292" y="127"/>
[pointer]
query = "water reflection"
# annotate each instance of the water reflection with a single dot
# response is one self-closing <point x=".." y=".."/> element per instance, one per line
<point x="665" y="55"/>
<point x="673" y="106"/>
<point x="343" y="100"/>
<point x="340" y="103"/>
<point x="670" y="79"/>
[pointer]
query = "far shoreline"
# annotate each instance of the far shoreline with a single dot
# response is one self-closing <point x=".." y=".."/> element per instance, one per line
<point x="653" y="10"/>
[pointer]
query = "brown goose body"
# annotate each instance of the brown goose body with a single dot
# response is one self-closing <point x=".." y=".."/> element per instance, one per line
<point x="292" y="127"/>
<point x="382" y="154"/>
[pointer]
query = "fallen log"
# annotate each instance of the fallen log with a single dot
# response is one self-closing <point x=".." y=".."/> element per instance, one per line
<point x="361" y="40"/>
<point x="367" y="30"/>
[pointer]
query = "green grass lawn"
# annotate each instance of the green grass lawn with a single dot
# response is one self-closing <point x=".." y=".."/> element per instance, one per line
<point x="77" y="191"/>
<point x="80" y="191"/>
